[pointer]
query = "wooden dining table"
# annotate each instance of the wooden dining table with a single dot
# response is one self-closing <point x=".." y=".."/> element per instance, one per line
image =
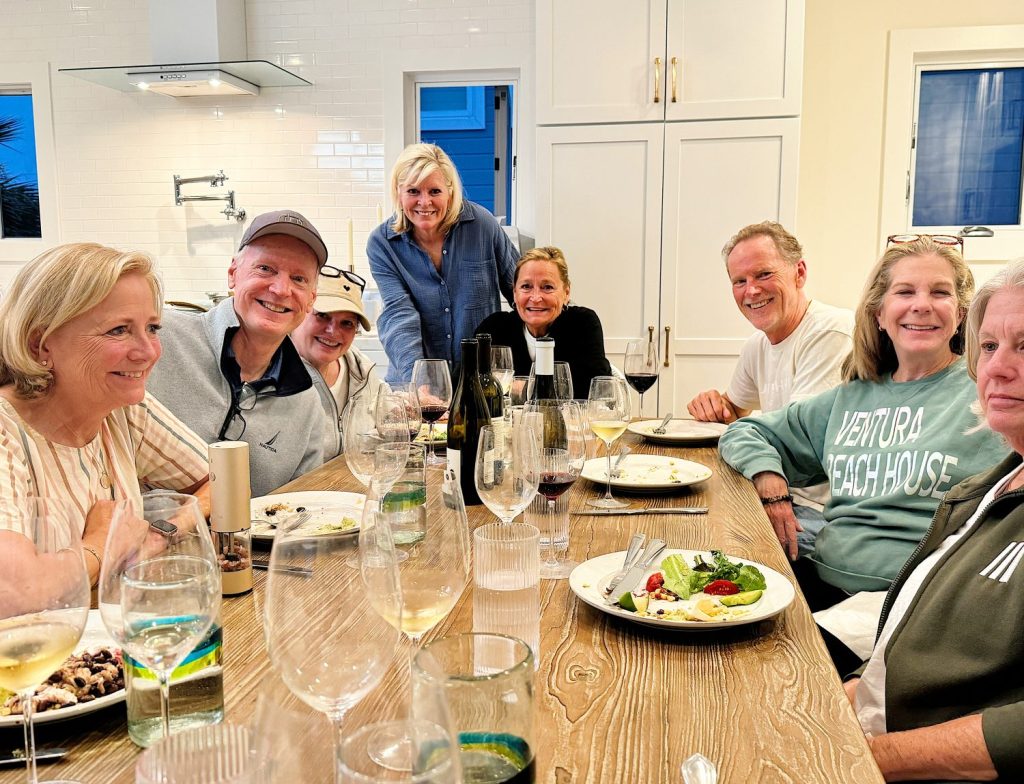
<point x="615" y="701"/>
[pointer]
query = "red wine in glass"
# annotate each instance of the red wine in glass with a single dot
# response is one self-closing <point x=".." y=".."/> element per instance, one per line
<point x="553" y="483"/>
<point x="641" y="382"/>
<point x="431" y="413"/>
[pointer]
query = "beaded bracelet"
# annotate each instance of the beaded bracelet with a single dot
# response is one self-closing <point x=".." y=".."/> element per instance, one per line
<point x="777" y="499"/>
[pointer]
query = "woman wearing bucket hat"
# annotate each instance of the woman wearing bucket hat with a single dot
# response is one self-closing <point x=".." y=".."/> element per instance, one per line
<point x="324" y="341"/>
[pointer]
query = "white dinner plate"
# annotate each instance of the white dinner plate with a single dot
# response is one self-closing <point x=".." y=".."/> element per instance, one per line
<point x="678" y="431"/>
<point x="589" y="579"/>
<point x="94" y="636"/>
<point x="648" y="472"/>
<point x="440" y="435"/>
<point x="326" y="508"/>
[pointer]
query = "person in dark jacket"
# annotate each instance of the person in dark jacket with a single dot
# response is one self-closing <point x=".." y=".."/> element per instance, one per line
<point x="942" y="697"/>
<point x="541" y="290"/>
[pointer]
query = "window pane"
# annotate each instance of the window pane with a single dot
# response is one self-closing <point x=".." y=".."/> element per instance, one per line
<point x="970" y="136"/>
<point x="19" y="181"/>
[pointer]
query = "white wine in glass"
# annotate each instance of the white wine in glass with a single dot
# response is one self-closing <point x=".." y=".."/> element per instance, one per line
<point x="328" y="656"/>
<point x="608" y="414"/>
<point x="44" y="602"/>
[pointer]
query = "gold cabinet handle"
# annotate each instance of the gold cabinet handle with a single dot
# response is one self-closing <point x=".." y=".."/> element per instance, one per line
<point x="675" y="61"/>
<point x="650" y="333"/>
<point x="657" y="80"/>
<point x="667" y="355"/>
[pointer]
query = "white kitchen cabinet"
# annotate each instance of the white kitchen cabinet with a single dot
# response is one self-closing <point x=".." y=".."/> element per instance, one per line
<point x="602" y="61"/>
<point x="642" y="211"/>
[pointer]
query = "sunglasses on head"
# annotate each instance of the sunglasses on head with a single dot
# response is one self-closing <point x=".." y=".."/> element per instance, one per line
<point x="938" y="239"/>
<point x="334" y="272"/>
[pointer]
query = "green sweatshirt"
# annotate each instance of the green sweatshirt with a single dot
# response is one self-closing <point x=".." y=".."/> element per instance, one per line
<point x="958" y="650"/>
<point x="889" y="452"/>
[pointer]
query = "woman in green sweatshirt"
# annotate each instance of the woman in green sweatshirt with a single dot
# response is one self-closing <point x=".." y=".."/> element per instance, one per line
<point x="890" y="440"/>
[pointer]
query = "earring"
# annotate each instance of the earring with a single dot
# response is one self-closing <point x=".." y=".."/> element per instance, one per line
<point x="44" y="362"/>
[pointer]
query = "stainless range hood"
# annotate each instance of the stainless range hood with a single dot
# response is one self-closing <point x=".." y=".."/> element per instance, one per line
<point x="199" y="48"/>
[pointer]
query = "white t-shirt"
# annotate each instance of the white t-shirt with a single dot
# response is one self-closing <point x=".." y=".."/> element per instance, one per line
<point x="807" y="362"/>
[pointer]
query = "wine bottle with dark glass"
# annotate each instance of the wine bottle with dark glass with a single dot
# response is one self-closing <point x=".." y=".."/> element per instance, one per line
<point x="468" y="413"/>
<point x="544" y="375"/>
<point x="488" y="383"/>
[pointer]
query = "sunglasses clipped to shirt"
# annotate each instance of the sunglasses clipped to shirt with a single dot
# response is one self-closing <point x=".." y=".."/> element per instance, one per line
<point x="938" y="239"/>
<point x="334" y="272"/>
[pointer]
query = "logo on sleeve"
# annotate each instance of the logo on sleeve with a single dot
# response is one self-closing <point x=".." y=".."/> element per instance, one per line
<point x="1003" y="565"/>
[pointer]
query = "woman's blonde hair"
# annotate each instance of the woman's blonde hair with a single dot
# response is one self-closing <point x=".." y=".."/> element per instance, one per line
<point x="545" y="253"/>
<point x="415" y="164"/>
<point x="873" y="354"/>
<point x="1011" y="278"/>
<point x="51" y="290"/>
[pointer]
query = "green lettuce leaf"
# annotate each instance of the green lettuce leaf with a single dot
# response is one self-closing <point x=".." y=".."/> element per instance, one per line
<point x="749" y="578"/>
<point x="678" y="575"/>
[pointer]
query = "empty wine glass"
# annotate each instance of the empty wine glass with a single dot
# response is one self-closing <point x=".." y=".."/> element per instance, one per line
<point x="640" y="366"/>
<point x="608" y="414"/>
<point x="562" y="450"/>
<point x="432" y="381"/>
<point x="328" y="656"/>
<point x="503" y="370"/>
<point x="44" y="601"/>
<point x="397" y="414"/>
<point x="361" y="440"/>
<point x="505" y="475"/>
<point x="160" y="585"/>
<point x="562" y="378"/>
<point x="519" y="391"/>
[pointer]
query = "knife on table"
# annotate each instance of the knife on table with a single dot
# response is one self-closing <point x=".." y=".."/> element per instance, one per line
<point x="654" y="548"/>
<point x="680" y="510"/>
<point x="17" y="757"/>
<point x="631" y="554"/>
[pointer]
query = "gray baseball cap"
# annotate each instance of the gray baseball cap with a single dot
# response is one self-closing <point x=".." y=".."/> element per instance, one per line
<point x="286" y="222"/>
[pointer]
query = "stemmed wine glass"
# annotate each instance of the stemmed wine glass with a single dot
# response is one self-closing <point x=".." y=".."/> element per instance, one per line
<point x="44" y="602"/>
<point x="562" y="378"/>
<point x="432" y="381"/>
<point x="160" y="585"/>
<point x="608" y="414"/>
<point x="562" y="450"/>
<point x="362" y="440"/>
<point x="505" y="475"/>
<point x="503" y="370"/>
<point x="328" y="656"/>
<point x="398" y="413"/>
<point x="641" y="366"/>
<point x="430" y="577"/>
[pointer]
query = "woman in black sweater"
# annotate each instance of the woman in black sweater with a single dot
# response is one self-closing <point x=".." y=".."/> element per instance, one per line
<point x="541" y="288"/>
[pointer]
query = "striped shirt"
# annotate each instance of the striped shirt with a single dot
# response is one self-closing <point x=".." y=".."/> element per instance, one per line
<point x="138" y="448"/>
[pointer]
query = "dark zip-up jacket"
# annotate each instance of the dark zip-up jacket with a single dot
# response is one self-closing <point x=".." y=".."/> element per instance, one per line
<point x="959" y="650"/>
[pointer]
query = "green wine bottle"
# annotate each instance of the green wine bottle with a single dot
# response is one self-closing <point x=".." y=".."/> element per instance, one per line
<point x="468" y="413"/>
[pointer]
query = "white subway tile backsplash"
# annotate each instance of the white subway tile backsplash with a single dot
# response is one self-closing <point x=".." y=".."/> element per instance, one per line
<point x="319" y="149"/>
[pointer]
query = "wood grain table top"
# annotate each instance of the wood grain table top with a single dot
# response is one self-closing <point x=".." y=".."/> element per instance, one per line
<point x="616" y="702"/>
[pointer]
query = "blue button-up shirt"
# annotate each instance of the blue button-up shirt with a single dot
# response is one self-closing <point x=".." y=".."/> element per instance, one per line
<point x="427" y="313"/>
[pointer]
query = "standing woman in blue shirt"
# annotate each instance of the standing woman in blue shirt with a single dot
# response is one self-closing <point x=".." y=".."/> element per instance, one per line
<point x="441" y="263"/>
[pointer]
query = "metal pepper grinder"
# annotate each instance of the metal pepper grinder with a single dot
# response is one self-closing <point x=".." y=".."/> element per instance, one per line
<point x="230" y="518"/>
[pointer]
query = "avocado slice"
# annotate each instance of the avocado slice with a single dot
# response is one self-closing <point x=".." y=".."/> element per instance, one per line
<point x="746" y="597"/>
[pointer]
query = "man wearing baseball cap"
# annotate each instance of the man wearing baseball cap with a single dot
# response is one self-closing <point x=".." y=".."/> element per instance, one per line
<point x="324" y="339"/>
<point x="232" y="374"/>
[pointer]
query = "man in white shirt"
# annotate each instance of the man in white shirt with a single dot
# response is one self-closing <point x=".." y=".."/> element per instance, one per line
<point x="797" y="351"/>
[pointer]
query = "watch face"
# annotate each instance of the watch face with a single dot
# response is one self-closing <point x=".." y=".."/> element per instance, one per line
<point x="164" y="527"/>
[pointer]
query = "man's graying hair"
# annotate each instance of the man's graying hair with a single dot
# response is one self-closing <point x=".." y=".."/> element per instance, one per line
<point x="786" y="244"/>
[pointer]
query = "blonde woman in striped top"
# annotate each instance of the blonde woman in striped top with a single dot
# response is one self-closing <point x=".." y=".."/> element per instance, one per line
<point x="78" y="337"/>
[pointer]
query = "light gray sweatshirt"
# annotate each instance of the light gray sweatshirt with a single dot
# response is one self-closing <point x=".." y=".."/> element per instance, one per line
<point x="284" y="431"/>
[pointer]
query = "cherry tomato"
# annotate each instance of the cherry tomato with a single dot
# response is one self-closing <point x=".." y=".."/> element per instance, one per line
<point x="654" y="582"/>
<point x="721" y="588"/>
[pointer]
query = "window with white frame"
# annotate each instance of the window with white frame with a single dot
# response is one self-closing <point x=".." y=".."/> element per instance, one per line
<point x="954" y="137"/>
<point x="28" y="181"/>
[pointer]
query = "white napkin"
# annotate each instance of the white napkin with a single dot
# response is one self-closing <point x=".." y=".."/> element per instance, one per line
<point x="854" y="621"/>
